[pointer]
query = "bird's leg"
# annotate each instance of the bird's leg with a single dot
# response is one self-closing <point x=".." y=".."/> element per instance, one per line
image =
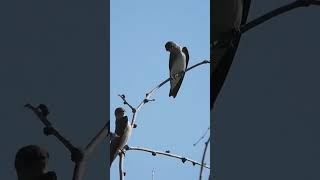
<point x="180" y="74"/>
<point x="173" y="76"/>
<point x="176" y="75"/>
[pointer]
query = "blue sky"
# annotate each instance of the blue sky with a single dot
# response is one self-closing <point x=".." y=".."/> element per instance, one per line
<point x="139" y="30"/>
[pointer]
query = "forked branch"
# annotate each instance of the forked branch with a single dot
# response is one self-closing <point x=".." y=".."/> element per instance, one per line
<point x="77" y="155"/>
<point x="149" y="94"/>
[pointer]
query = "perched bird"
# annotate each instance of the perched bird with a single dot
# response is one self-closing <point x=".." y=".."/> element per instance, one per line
<point x="228" y="16"/>
<point x="31" y="164"/>
<point x="178" y="63"/>
<point x="44" y="110"/>
<point x="122" y="133"/>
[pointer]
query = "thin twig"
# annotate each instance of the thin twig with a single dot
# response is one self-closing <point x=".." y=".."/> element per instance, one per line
<point x="121" y="172"/>
<point x="77" y="156"/>
<point x="277" y="12"/>
<point x="123" y="97"/>
<point x="201" y="137"/>
<point x="43" y="119"/>
<point x="54" y="132"/>
<point x="154" y="153"/>
<point x="203" y="157"/>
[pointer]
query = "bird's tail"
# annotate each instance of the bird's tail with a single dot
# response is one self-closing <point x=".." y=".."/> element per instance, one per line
<point x="172" y="94"/>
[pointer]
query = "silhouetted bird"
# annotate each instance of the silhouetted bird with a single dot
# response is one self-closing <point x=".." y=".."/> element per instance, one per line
<point x="31" y="164"/>
<point x="228" y="16"/>
<point x="122" y="131"/>
<point x="178" y="63"/>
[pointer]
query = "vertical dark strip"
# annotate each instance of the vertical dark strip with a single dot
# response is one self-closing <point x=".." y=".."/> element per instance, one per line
<point x="107" y="72"/>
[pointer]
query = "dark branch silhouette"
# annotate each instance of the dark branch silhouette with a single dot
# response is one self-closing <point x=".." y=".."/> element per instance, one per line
<point x="50" y="130"/>
<point x="277" y="12"/>
<point x="77" y="155"/>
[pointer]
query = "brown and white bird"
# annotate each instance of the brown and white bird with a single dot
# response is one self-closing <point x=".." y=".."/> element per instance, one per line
<point x="122" y="133"/>
<point x="178" y="63"/>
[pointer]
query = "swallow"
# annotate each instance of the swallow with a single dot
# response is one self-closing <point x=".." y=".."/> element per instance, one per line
<point x="228" y="18"/>
<point x="122" y="133"/>
<point x="178" y="63"/>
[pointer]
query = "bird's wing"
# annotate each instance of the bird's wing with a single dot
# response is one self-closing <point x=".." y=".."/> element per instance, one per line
<point x="185" y="51"/>
<point x="171" y="59"/>
<point x="174" y="91"/>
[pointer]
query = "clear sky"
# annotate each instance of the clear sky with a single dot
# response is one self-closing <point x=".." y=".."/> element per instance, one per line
<point x="139" y="30"/>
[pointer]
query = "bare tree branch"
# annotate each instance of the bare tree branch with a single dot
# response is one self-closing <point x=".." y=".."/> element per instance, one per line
<point x="77" y="156"/>
<point x="123" y="97"/>
<point x="277" y="12"/>
<point x="203" y="157"/>
<point x="154" y="153"/>
<point x="121" y="172"/>
<point x="50" y="129"/>
<point x="149" y="94"/>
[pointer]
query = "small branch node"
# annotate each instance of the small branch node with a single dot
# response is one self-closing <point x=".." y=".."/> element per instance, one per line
<point x="48" y="130"/>
<point x="126" y="147"/>
<point x="206" y="61"/>
<point x="76" y="155"/>
<point x="154" y="153"/>
<point x="122" y="151"/>
<point x="183" y="160"/>
<point x="148" y="100"/>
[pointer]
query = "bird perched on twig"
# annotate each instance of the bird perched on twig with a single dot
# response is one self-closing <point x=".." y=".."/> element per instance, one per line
<point x="122" y="133"/>
<point x="178" y="63"/>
